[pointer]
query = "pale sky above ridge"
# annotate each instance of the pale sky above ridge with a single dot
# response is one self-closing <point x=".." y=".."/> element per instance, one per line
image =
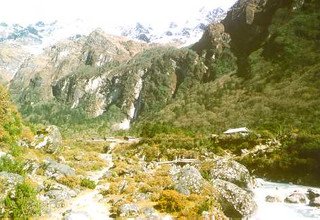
<point x="104" y="12"/>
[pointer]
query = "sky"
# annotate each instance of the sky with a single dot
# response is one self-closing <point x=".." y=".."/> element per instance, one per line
<point x="104" y="12"/>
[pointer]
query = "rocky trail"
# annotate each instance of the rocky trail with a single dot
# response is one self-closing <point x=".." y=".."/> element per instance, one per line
<point x="89" y="204"/>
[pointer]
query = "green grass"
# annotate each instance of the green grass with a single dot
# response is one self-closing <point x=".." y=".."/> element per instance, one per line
<point x="23" y="204"/>
<point x="87" y="183"/>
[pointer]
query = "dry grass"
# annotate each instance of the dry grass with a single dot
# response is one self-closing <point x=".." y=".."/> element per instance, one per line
<point x="70" y="181"/>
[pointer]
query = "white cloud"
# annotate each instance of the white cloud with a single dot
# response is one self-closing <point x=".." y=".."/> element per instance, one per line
<point x="104" y="12"/>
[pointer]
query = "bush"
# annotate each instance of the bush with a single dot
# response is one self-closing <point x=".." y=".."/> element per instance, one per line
<point x="88" y="183"/>
<point x="69" y="181"/>
<point x="171" y="201"/>
<point x="23" y="203"/>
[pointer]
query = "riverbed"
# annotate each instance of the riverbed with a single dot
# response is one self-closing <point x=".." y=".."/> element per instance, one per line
<point x="282" y="210"/>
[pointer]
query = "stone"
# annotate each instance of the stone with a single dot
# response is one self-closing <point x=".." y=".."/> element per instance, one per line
<point x="31" y="166"/>
<point x="57" y="170"/>
<point x="272" y="199"/>
<point x="296" y="197"/>
<point x="235" y="202"/>
<point x="49" y="140"/>
<point x="129" y="210"/>
<point x="315" y="202"/>
<point x="231" y="171"/>
<point x="149" y="211"/>
<point x="314" y="198"/>
<point x="187" y="179"/>
<point x="61" y="159"/>
<point x="78" y="157"/>
<point x="55" y="195"/>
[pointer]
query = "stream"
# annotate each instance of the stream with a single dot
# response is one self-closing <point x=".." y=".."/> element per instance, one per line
<point x="282" y="210"/>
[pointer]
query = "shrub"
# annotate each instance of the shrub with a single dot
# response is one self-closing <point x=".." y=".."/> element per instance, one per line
<point x="69" y="181"/>
<point x="23" y="203"/>
<point x="16" y="151"/>
<point x="90" y="184"/>
<point x="171" y="201"/>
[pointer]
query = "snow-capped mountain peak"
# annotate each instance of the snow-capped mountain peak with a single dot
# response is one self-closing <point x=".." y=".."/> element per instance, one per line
<point x="35" y="37"/>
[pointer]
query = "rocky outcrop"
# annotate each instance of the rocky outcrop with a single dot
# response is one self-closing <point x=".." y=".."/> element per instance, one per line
<point x="57" y="170"/>
<point x="231" y="171"/>
<point x="235" y="202"/>
<point x="38" y="73"/>
<point x="187" y="179"/>
<point x="213" y="41"/>
<point x="11" y="58"/>
<point x="49" y="140"/>
<point x="101" y="73"/>
<point x="247" y="24"/>
<point x="55" y="195"/>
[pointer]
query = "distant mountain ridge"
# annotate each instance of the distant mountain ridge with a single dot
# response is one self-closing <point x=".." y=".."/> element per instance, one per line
<point x="41" y="34"/>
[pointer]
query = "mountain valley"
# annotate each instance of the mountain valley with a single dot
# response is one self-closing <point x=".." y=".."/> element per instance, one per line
<point x="135" y="123"/>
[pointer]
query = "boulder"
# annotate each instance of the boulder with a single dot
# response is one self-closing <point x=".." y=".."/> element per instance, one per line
<point x="55" y="195"/>
<point x="231" y="171"/>
<point x="272" y="199"/>
<point x="314" y="198"/>
<point x="296" y="197"/>
<point x="187" y="179"/>
<point x="235" y="202"/>
<point x="315" y="202"/>
<point x="49" y="140"/>
<point x="57" y="170"/>
<point x="129" y="210"/>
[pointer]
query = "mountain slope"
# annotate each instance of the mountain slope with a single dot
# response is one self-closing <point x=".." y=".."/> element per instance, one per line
<point x="213" y="94"/>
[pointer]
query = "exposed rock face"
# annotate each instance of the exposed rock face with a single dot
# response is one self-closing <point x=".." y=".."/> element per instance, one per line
<point x="247" y="24"/>
<point x="231" y="171"/>
<point x="42" y="71"/>
<point x="11" y="58"/>
<point x="236" y="202"/>
<point x="187" y="179"/>
<point x="98" y="73"/>
<point x="214" y="40"/>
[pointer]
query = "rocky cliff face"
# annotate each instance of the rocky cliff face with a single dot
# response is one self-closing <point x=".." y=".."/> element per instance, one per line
<point x="247" y="25"/>
<point x="11" y="58"/>
<point x="95" y="73"/>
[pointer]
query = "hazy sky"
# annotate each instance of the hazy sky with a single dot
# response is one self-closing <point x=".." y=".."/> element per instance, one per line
<point x="104" y="11"/>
